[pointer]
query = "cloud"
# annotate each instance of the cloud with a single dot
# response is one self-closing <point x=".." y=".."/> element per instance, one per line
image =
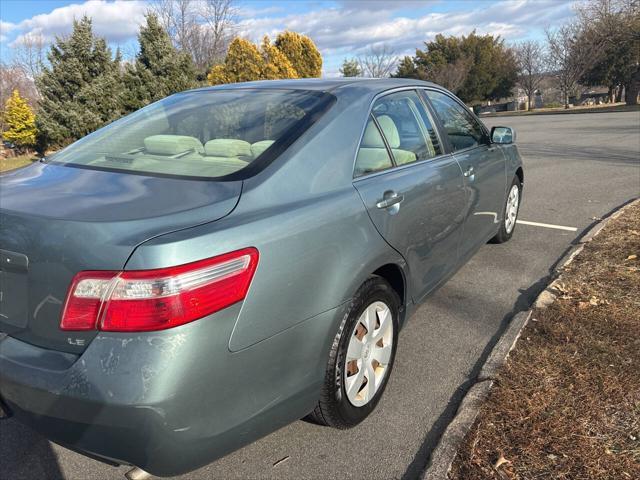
<point x="117" y="21"/>
<point x="341" y="28"/>
<point x="356" y="26"/>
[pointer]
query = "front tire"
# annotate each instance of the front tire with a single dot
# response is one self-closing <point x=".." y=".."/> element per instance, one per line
<point x="361" y="357"/>
<point x="510" y="212"/>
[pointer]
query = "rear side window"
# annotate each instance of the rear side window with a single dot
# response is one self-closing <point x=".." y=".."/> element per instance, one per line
<point x="211" y="134"/>
<point x="407" y="127"/>
<point x="462" y="128"/>
<point x="373" y="155"/>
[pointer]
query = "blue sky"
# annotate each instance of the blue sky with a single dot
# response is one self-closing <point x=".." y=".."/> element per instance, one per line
<point x="341" y="29"/>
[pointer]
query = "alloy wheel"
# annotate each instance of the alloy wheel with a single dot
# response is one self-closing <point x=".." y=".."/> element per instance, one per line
<point x="511" y="212"/>
<point x="368" y="353"/>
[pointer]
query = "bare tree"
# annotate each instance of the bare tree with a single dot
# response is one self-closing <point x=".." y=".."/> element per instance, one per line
<point x="203" y="28"/>
<point x="450" y="75"/>
<point x="29" y="53"/>
<point x="572" y="52"/>
<point x="378" y="62"/>
<point x="221" y="16"/>
<point x="616" y="23"/>
<point x="177" y="17"/>
<point x="530" y="56"/>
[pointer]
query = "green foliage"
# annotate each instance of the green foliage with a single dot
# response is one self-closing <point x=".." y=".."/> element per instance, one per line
<point x="350" y="68"/>
<point x="80" y="90"/>
<point x="480" y="67"/>
<point x="159" y="69"/>
<point x="407" y="69"/>
<point x="20" y="122"/>
<point x="620" y="57"/>
<point x="243" y="63"/>
<point x="301" y="52"/>
<point x="276" y="64"/>
<point x="246" y="62"/>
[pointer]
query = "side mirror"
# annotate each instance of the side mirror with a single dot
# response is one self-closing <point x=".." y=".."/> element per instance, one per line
<point x="503" y="135"/>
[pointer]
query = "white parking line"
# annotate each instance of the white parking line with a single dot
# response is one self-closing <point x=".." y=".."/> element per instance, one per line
<point x="547" y="225"/>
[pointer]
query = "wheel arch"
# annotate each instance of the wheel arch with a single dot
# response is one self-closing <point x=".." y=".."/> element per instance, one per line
<point x="520" y="175"/>
<point x="395" y="275"/>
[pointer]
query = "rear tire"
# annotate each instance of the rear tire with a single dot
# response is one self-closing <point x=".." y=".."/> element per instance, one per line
<point x="361" y="359"/>
<point x="509" y="213"/>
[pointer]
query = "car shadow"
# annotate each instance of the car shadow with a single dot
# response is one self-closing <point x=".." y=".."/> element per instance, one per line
<point x="24" y="454"/>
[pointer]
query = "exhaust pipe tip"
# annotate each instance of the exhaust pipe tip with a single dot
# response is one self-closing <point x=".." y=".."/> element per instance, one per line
<point x="137" y="474"/>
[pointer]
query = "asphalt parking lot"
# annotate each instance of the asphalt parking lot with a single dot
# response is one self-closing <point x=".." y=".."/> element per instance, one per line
<point x="577" y="168"/>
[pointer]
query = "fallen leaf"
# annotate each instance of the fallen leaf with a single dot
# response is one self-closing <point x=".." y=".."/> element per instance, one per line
<point x="551" y="456"/>
<point x="594" y="301"/>
<point x="632" y="257"/>
<point x="501" y="460"/>
<point x="583" y="305"/>
<point x="634" y="232"/>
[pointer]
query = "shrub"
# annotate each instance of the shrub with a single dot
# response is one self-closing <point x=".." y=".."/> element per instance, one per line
<point x="20" y="122"/>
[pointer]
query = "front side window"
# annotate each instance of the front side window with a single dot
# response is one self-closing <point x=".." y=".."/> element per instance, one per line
<point x="208" y="134"/>
<point x="462" y="128"/>
<point x="407" y="127"/>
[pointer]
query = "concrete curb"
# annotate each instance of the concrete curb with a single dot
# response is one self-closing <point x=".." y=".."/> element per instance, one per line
<point x="445" y="451"/>
<point x="578" y="111"/>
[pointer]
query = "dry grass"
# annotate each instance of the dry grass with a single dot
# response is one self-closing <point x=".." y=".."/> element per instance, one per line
<point x="12" y="163"/>
<point x="567" y="404"/>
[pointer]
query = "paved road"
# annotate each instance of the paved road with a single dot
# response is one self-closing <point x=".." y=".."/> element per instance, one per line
<point x="577" y="168"/>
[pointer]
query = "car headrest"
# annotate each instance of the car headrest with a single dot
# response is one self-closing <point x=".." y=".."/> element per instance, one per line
<point x="227" y="147"/>
<point x="259" y="147"/>
<point x="371" y="137"/>
<point x="172" y="144"/>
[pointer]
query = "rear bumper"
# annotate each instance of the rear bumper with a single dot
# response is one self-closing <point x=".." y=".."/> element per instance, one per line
<point x="171" y="401"/>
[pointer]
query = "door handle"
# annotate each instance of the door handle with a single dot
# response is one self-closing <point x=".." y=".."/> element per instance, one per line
<point x="390" y="199"/>
<point x="469" y="171"/>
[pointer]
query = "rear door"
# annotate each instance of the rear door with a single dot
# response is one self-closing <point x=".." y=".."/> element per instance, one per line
<point x="483" y="167"/>
<point x="413" y="190"/>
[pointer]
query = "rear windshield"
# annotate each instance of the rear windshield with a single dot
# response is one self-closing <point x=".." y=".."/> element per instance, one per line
<point x="223" y="134"/>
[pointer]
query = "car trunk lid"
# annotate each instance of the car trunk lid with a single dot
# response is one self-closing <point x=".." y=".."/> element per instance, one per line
<point x="56" y="221"/>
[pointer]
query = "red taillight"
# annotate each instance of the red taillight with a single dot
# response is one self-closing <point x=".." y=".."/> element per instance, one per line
<point x="141" y="300"/>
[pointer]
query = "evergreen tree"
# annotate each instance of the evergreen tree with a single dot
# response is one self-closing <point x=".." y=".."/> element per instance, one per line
<point x="80" y="89"/>
<point x="243" y="63"/>
<point x="350" y="68"/>
<point x="159" y="69"/>
<point x="301" y="52"/>
<point x="476" y="67"/>
<point x="406" y="69"/>
<point x="20" y="122"/>
<point x="276" y="64"/>
<point x="246" y="62"/>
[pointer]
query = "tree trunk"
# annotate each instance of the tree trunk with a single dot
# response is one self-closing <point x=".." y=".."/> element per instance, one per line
<point x="632" y="88"/>
<point x="619" y="94"/>
<point x="529" y="105"/>
<point x="611" y="93"/>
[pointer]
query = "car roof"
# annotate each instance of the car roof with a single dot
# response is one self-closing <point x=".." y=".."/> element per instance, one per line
<point x="324" y="84"/>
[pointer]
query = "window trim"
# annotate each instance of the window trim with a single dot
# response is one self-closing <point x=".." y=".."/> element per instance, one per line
<point x="485" y="131"/>
<point x="386" y="146"/>
<point x="446" y="148"/>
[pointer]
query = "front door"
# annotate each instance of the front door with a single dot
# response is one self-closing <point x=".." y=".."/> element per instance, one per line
<point x="484" y="170"/>
<point x="413" y="192"/>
